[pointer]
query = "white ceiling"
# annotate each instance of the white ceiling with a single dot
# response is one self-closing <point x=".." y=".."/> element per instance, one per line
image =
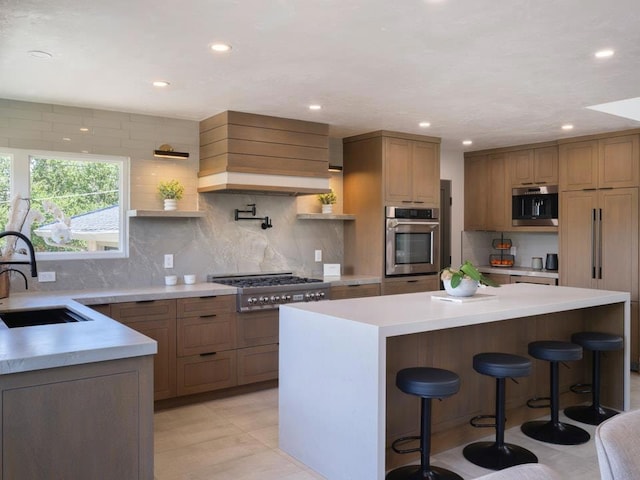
<point x="500" y="72"/>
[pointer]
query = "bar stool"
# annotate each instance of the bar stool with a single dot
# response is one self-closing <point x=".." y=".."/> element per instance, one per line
<point x="555" y="431"/>
<point x="597" y="342"/>
<point x="426" y="383"/>
<point x="498" y="455"/>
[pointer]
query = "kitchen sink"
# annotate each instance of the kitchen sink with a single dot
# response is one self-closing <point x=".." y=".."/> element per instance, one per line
<point x="30" y="318"/>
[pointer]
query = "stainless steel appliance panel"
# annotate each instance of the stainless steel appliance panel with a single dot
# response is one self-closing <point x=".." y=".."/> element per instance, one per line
<point x="534" y="206"/>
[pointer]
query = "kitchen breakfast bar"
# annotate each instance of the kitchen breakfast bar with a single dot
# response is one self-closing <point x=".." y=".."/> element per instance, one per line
<point x="339" y="408"/>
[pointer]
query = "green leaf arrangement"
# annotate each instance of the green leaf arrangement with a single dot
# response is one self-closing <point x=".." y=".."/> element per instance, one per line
<point x="466" y="270"/>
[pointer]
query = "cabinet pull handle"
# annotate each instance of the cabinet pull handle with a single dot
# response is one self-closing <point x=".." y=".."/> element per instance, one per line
<point x="412" y="281"/>
<point x="418" y="201"/>
<point x="407" y="201"/>
<point x="209" y="316"/>
<point x="145" y="301"/>
<point x="209" y="354"/>
<point x="208" y="296"/>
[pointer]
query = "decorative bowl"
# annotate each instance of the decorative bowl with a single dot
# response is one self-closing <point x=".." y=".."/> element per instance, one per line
<point x="467" y="288"/>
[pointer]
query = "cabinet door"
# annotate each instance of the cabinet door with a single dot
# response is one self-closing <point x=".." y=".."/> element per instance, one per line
<point x="206" y="372"/>
<point x="196" y="306"/>
<point x="425" y="173"/>
<point x="476" y="191"/>
<point x="257" y="364"/>
<point x="545" y="166"/>
<point x="577" y="239"/>
<point x="499" y="198"/>
<point x="397" y="170"/>
<point x="257" y="328"/>
<point x="619" y="240"/>
<point x="206" y="334"/>
<point x="430" y="283"/>
<point x="164" y="362"/>
<point x="619" y="162"/>
<point x="521" y="167"/>
<point x="578" y="165"/>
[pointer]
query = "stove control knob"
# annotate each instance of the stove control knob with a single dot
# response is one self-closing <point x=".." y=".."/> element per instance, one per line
<point x="277" y="298"/>
<point x="286" y="298"/>
<point x="272" y="299"/>
<point x="251" y="300"/>
<point x="321" y="295"/>
<point x="307" y="297"/>
<point x="263" y="300"/>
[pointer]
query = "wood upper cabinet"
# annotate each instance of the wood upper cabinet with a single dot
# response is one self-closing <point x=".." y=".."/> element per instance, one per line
<point x="534" y="166"/>
<point x="412" y="172"/>
<point x="487" y="197"/>
<point x="599" y="239"/>
<point x="612" y="162"/>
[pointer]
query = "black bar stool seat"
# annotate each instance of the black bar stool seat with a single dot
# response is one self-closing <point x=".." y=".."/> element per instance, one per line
<point x="597" y="342"/>
<point x="554" y="431"/>
<point x="498" y="455"/>
<point x="426" y="383"/>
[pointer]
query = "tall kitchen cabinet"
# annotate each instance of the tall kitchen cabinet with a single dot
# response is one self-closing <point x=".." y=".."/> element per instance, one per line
<point x="487" y="194"/>
<point x="599" y="180"/>
<point x="382" y="169"/>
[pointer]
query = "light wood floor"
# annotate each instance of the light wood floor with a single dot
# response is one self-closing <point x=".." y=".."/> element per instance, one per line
<point x="237" y="439"/>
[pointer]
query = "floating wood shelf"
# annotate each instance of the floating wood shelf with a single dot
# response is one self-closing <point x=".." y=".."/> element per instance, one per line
<point x="325" y="216"/>
<point x="165" y="213"/>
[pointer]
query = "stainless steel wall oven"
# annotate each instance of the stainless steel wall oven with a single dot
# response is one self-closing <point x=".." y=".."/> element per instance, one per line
<point x="412" y="241"/>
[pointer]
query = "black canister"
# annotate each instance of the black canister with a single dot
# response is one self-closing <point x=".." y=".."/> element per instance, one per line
<point x="551" y="262"/>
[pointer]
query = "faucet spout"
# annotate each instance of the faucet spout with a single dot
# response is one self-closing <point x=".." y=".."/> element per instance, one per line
<point x="32" y="253"/>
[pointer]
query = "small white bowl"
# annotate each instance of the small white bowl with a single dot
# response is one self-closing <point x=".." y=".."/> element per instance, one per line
<point x="467" y="288"/>
<point x="189" y="279"/>
<point x="170" y="280"/>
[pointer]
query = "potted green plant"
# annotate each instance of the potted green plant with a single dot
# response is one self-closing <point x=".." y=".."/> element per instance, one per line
<point x="464" y="281"/>
<point x="171" y="191"/>
<point x="327" y="200"/>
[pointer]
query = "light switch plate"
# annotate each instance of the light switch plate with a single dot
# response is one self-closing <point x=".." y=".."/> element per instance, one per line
<point x="331" y="269"/>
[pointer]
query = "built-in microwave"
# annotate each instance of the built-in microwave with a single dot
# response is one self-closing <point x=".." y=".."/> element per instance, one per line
<point x="412" y="241"/>
<point x="534" y="206"/>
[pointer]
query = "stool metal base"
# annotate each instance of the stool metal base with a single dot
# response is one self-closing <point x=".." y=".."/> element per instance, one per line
<point x="589" y="414"/>
<point x="414" y="472"/>
<point x="557" y="433"/>
<point x="490" y="455"/>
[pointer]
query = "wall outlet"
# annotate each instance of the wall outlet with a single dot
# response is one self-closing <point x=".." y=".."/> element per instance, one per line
<point x="168" y="260"/>
<point x="513" y="251"/>
<point x="47" y="277"/>
<point x="318" y="255"/>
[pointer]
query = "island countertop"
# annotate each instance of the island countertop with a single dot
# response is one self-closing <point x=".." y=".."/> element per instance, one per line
<point x="418" y="312"/>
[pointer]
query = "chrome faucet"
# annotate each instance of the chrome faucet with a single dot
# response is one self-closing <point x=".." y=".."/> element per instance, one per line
<point x="32" y="256"/>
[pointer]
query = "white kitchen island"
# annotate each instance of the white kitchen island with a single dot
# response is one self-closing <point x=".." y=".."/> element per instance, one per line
<point x="339" y="407"/>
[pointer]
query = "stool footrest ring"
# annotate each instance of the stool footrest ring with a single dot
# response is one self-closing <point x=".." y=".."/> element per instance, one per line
<point x="581" y="388"/>
<point x="532" y="402"/>
<point x="398" y="441"/>
<point x="477" y="421"/>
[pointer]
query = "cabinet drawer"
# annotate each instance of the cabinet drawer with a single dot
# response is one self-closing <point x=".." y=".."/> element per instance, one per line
<point x="257" y="364"/>
<point x="202" y="373"/>
<point x="257" y="328"/>
<point x="411" y="285"/>
<point x="531" y="279"/>
<point x="196" y="306"/>
<point x="206" y="334"/>
<point x="355" y="291"/>
<point x="103" y="308"/>
<point x="128" y="312"/>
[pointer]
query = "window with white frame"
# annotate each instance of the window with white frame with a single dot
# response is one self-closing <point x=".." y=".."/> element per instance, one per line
<point x="80" y="200"/>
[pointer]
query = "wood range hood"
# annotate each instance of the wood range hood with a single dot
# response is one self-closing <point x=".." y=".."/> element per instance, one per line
<point x="245" y="152"/>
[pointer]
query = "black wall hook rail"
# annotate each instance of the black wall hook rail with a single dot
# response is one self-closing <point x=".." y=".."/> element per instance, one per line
<point x="266" y="221"/>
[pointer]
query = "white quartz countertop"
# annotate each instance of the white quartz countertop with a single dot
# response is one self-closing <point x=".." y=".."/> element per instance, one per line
<point x="418" y="312"/>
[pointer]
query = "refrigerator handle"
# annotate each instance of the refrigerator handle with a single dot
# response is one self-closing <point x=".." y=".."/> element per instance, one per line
<point x="600" y="244"/>
<point x="594" y="244"/>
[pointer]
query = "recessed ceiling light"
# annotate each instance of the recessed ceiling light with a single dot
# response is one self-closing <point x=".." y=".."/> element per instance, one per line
<point x="66" y="139"/>
<point x="568" y="126"/>
<point x="220" y="47"/>
<point x="40" y="54"/>
<point x="467" y="142"/>
<point x="161" y="83"/>
<point x="605" y="53"/>
<point x="315" y="107"/>
<point x="84" y="129"/>
<point x="424" y="124"/>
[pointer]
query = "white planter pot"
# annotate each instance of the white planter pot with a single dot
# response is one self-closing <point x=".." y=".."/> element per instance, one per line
<point x="170" y="204"/>
<point x="467" y="288"/>
<point x="327" y="208"/>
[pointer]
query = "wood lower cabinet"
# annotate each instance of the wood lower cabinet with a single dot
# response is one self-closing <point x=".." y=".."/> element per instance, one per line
<point x="156" y="319"/>
<point x="258" y="334"/>
<point x="499" y="278"/>
<point x="428" y="283"/>
<point x="79" y="422"/>
<point x="340" y="292"/>
<point x="206" y="372"/>
<point x="531" y="279"/>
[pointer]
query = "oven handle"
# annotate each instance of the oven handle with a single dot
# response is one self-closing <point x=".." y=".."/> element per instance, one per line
<point x="395" y="223"/>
